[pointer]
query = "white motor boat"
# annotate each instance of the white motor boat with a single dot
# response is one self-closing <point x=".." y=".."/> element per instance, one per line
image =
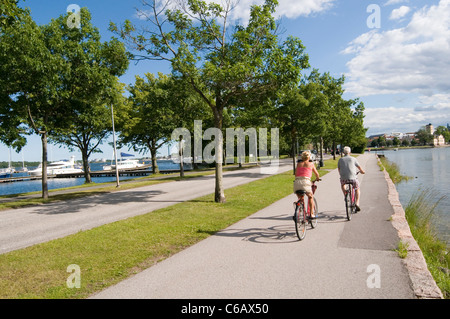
<point x="56" y="168"/>
<point x="125" y="164"/>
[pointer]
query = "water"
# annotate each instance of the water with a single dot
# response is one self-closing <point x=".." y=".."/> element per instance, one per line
<point x="430" y="169"/>
<point x="55" y="183"/>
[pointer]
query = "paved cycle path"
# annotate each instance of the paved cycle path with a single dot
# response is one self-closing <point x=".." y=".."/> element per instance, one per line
<point x="261" y="257"/>
<point x="27" y="226"/>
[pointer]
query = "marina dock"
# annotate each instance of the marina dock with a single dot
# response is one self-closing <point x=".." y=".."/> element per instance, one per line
<point x="110" y="173"/>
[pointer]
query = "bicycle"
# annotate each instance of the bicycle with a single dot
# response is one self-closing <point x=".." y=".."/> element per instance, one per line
<point x="350" y="200"/>
<point x="301" y="215"/>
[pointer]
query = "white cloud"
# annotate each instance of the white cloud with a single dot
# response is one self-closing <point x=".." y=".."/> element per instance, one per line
<point x="399" y="13"/>
<point x="286" y="8"/>
<point x="413" y="59"/>
<point x="404" y="119"/>
<point x="435" y="103"/>
<point x="296" y="8"/>
<point x="392" y="2"/>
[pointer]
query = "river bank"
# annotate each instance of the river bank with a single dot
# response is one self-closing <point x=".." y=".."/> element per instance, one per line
<point x="426" y="170"/>
<point x="418" y="235"/>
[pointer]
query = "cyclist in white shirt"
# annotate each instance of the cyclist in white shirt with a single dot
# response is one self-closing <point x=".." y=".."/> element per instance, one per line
<point x="347" y="167"/>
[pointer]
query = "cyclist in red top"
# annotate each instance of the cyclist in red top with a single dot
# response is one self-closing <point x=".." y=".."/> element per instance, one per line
<point x="303" y="174"/>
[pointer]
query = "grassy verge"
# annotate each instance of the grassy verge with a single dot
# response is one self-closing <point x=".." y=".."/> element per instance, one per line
<point x="393" y="171"/>
<point x="113" y="252"/>
<point x="419" y="213"/>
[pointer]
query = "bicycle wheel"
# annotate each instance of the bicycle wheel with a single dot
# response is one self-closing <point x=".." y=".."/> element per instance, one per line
<point x="300" y="222"/>
<point x="313" y="222"/>
<point x="348" y="203"/>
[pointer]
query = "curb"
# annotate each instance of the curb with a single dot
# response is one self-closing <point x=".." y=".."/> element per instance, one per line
<point x="423" y="283"/>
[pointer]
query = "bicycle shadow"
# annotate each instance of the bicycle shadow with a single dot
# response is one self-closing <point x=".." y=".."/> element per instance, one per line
<point x="279" y="234"/>
<point x="332" y="216"/>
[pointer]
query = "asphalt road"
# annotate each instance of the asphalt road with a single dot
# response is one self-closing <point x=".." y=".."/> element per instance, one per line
<point x="27" y="226"/>
<point x="261" y="257"/>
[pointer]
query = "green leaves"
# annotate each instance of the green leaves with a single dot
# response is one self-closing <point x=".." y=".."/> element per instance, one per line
<point x="59" y="80"/>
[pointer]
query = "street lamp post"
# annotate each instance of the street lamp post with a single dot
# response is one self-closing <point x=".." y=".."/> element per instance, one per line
<point x="115" y="149"/>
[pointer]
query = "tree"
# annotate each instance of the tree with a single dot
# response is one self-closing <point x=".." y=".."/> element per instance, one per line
<point x="335" y="109"/>
<point x="94" y="86"/>
<point x="424" y="137"/>
<point x="34" y="73"/>
<point x="223" y="68"/>
<point x="405" y="142"/>
<point x="442" y="130"/>
<point x="382" y="141"/>
<point x="12" y="130"/>
<point x="374" y="143"/>
<point x="51" y="82"/>
<point x="188" y="106"/>
<point x="354" y="132"/>
<point x="92" y="126"/>
<point x="150" y="115"/>
<point x="396" y="141"/>
<point x="301" y="113"/>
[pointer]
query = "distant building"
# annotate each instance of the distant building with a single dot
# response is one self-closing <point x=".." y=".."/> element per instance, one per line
<point x="429" y="128"/>
<point x="409" y="137"/>
<point x="438" y="140"/>
<point x="397" y="135"/>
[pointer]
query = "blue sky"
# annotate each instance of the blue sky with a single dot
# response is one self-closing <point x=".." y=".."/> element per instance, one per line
<point x="398" y="68"/>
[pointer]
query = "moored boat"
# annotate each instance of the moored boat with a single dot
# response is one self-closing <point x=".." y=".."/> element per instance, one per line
<point x="56" y="168"/>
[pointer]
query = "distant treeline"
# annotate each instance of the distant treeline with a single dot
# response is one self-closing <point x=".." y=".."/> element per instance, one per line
<point x="19" y="164"/>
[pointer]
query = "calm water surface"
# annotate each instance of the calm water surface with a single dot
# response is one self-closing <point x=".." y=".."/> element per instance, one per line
<point x="55" y="183"/>
<point x="430" y="169"/>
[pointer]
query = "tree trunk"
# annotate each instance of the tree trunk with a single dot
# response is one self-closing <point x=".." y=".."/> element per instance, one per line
<point x="44" y="165"/>
<point x="155" y="167"/>
<point x="152" y="148"/>
<point x="321" y="152"/>
<point x="86" y="168"/>
<point x="334" y="150"/>
<point x="219" y="195"/>
<point x="294" y="150"/>
<point x="219" y="192"/>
